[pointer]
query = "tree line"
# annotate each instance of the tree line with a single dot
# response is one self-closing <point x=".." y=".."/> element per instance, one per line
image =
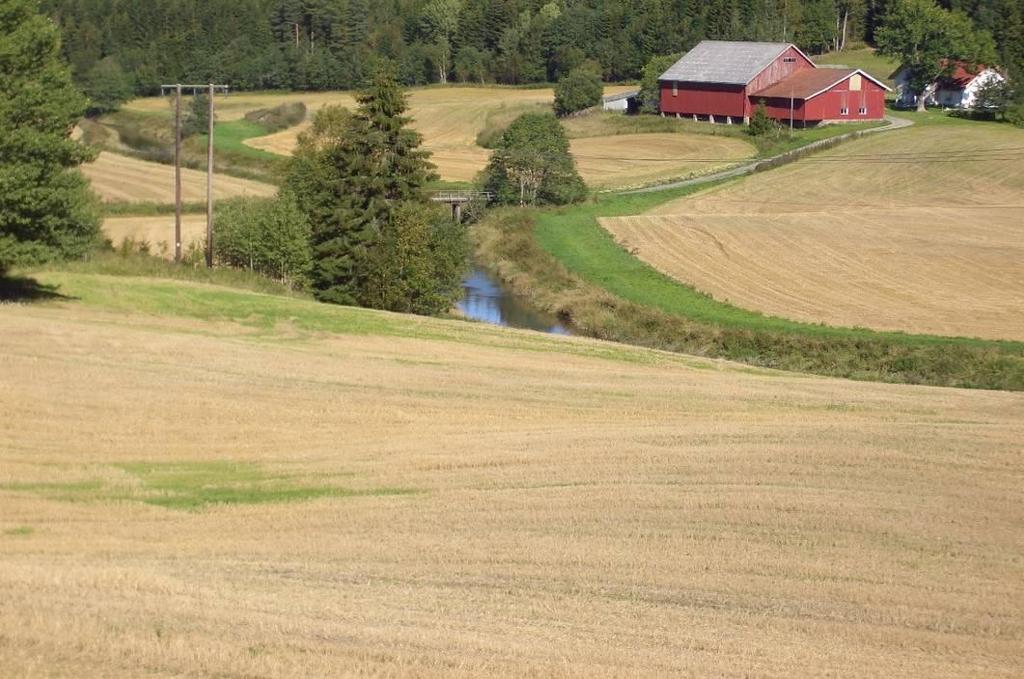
<point x="136" y="45"/>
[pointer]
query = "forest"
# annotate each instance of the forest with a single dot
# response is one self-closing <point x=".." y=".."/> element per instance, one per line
<point x="134" y="46"/>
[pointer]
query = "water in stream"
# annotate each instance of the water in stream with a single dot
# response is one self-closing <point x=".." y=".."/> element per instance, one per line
<point x="486" y="300"/>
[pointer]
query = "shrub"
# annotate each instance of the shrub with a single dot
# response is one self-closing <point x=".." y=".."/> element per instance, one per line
<point x="579" y="90"/>
<point x="268" y="236"/>
<point x="416" y="265"/>
<point x="761" y="125"/>
<point x="280" y="117"/>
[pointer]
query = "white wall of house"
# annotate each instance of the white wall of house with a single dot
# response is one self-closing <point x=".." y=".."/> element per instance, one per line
<point x="947" y="98"/>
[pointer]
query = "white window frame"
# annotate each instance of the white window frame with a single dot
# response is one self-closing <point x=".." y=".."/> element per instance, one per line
<point x="863" y="110"/>
<point x="844" y="111"/>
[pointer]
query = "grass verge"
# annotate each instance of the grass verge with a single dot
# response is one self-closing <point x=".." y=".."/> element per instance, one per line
<point x="566" y="264"/>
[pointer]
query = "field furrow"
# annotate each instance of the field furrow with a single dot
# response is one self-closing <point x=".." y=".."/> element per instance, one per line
<point x="118" y="178"/>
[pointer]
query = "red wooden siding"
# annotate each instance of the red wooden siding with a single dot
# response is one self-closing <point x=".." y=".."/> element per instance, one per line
<point x="774" y="72"/>
<point x="829" y="105"/>
<point x="703" y="99"/>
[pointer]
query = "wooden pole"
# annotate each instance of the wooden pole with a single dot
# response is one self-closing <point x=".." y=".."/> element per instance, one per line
<point x="791" y="111"/>
<point x="209" y="187"/>
<point x="177" y="173"/>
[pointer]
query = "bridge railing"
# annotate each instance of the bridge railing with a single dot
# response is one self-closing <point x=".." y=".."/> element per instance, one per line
<point x="454" y="197"/>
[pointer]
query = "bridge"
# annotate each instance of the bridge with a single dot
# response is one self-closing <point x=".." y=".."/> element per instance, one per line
<point x="456" y="199"/>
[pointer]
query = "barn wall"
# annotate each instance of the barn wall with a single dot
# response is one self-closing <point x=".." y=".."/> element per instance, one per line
<point x="828" y="105"/>
<point x="776" y="71"/>
<point x="704" y="99"/>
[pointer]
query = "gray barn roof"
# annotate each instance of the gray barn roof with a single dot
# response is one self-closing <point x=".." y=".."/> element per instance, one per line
<point x="724" y="61"/>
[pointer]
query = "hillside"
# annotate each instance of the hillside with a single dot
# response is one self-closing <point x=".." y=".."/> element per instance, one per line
<point x="916" y="230"/>
<point x="451" y="119"/>
<point x="371" y="493"/>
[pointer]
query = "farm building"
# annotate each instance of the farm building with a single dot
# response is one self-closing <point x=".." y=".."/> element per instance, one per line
<point x="723" y="81"/>
<point x="956" y="90"/>
<point x="626" y="102"/>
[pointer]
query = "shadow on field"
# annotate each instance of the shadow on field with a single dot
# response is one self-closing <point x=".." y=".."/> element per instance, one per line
<point x="27" y="290"/>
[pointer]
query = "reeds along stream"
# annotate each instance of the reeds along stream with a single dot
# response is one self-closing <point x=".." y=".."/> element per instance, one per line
<point x="485" y="299"/>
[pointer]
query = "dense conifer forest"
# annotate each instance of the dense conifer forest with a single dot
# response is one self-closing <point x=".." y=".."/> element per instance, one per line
<point x="335" y="44"/>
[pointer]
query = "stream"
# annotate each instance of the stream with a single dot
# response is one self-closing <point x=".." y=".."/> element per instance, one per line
<point x="485" y="299"/>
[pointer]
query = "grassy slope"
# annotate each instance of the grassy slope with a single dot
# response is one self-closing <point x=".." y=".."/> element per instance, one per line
<point x="866" y="59"/>
<point x="238" y="484"/>
<point x="655" y="310"/>
<point x="575" y="238"/>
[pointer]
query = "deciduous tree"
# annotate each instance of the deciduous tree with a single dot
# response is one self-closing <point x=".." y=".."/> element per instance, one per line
<point x="930" y="42"/>
<point x="532" y="164"/>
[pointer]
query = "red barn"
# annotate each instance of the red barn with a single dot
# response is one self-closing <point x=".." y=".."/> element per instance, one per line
<point x="723" y="81"/>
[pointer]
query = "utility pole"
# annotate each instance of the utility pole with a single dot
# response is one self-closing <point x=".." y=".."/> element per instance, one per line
<point x="211" y="90"/>
<point x="177" y="173"/>
<point x="209" y="186"/>
<point x="791" y="111"/>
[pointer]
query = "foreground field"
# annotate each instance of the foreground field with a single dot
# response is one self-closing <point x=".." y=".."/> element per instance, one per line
<point x="467" y="500"/>
<point x="118" y="178"/>
<point x="916" y="230"/>
<point x="450" y="119"/>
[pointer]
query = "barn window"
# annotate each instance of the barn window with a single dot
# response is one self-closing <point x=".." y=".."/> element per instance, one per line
<point x="863" y="110"/>
<point x="844" y="111"/>
<point x="789" y="60"/>
<point x="675" y="89"/>
<point x="855" y="82"/>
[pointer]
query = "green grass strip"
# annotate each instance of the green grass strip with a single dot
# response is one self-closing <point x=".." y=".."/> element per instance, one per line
<point x="575" y="238"/>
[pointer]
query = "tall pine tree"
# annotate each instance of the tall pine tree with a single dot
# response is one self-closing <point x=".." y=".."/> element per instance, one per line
<point x="46" y="208"/>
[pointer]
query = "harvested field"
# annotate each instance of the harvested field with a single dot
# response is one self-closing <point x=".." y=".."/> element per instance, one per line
<point x="450" y="119"/>
<point x="468" y="500"/>
<point x="638" y="159"/>
<point x="157" y="230"/>
<point x="119" y="178"/>
<point x="929" y="241"/>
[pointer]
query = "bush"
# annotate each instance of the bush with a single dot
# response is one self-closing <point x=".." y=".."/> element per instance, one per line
<point x="416" y="265"/>
<point x="532" y="164"/>
<point x="268" y="236"/>
<point x="580" y="90"/>
<point x="197" y="117"/>
<point x="278" y="118"/>
<point x="761" y="125"/>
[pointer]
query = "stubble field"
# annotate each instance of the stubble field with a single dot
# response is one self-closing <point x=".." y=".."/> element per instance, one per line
<point x="917" y="230"/>
<point x="469" y="500"/>
<point x="449" y="118"/>
<point x="118" y="178"/>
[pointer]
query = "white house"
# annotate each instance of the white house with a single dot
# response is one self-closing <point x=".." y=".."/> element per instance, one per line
<point x="957" y="90"/>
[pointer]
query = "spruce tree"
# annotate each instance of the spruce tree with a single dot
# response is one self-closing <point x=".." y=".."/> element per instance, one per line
<point x="352" y="173"/>
<point x="46" y="208"/>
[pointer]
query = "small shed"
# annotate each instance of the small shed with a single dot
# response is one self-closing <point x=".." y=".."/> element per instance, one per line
<point x="624" y="102"/>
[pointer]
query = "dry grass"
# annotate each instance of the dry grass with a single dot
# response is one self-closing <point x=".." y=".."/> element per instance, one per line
<point x="450" y="119"/>
<point x="156" y="230"/>
<point x="119" y="178"/>
<point x="929" y="247"/>
<point x="638" y="159"/>
<point x="638" y="514"/>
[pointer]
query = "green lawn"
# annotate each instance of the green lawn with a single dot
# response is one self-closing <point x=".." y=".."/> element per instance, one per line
<point x="231" y="136"/>
<point x="866" y="59"/>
